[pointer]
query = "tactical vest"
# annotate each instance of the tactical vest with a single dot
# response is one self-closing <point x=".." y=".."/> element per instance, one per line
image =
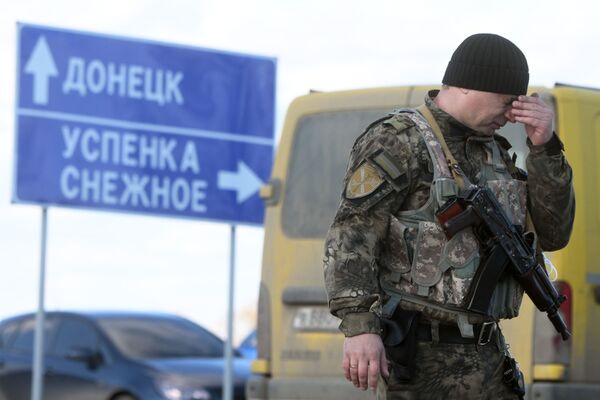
<point x="424" y="271"/>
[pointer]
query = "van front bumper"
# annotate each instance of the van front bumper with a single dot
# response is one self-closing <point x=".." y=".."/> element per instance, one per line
<point x="563" y="391"/>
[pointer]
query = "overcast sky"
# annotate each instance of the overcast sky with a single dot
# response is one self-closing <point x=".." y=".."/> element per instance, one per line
<point x="117" y="261"/>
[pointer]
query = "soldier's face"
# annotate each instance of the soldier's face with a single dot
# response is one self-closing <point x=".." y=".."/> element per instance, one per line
<point x="486" y="112"/>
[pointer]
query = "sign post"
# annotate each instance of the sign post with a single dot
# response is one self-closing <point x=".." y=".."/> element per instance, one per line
<point x="37" y="383"/>
<point x="228" y="376"/>
<point x="118" y="124"/>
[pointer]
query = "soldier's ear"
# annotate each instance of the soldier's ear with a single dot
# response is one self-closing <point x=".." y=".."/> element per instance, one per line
<point x="463" y="90"/>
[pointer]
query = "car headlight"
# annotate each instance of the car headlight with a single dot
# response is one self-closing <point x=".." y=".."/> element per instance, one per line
<point x="176" y="389"/>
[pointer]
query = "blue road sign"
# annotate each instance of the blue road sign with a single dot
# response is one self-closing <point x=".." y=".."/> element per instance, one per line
<point x="114" y="123"/>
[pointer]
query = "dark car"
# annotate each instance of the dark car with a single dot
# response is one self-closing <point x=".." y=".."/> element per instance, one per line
<point x="116" y="356"/>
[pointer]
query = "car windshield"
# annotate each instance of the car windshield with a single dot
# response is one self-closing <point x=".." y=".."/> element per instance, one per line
<point x="155" y="337"/>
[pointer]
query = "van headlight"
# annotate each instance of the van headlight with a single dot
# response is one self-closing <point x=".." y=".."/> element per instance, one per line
<point x="176" y="389"/>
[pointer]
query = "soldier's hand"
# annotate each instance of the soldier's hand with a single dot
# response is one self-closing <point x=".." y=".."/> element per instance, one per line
<point x="536" y="115"/>
<point x="364" y="360"/>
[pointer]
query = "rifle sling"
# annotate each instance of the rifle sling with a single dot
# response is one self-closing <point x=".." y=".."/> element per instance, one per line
<point x="461" y="180"/>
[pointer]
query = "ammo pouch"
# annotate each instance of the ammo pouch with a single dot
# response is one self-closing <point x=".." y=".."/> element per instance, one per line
<point x="400" y="342"/>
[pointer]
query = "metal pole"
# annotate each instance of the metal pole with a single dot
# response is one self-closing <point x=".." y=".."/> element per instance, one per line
<point x="228" y="376"/>
<point x="37" y="383"/>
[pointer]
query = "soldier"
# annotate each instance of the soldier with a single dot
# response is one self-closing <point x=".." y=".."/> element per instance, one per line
<point x="391" y="275"/>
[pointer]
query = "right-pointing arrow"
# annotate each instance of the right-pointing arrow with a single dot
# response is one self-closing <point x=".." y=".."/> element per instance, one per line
<point x="41" y="65"/>
<point x="244" y="181"/>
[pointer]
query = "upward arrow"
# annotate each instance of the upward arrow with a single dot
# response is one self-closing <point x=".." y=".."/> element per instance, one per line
<point x="41" y="65"/>
<point x="245" y="182"/>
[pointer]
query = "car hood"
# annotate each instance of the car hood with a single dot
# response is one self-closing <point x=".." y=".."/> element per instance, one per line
<point x="205" y="371"/>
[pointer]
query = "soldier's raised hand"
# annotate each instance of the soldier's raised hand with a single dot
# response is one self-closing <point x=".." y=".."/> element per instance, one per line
<point x="536" y="115"/>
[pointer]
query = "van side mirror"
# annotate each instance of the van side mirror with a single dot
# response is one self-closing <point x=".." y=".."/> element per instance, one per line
<point x="270" y="192"/>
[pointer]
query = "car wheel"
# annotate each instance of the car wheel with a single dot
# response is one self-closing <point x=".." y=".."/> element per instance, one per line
<point x="123" y="397"/>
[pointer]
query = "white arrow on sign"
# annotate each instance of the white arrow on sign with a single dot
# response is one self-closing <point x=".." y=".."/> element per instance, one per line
<point x="244" y="181"/>
<point x="41" y="65"/>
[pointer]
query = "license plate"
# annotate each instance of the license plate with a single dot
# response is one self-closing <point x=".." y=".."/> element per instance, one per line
<point x="315" y="319"/>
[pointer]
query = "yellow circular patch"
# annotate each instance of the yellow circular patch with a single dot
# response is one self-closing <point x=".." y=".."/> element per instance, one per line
<point x="363" y="182"/>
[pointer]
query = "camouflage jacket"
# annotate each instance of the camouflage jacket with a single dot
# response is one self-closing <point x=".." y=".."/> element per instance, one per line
<point x="355" y="239"/>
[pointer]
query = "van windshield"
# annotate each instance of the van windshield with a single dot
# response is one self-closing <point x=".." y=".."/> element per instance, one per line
<point x="322" y="144"/>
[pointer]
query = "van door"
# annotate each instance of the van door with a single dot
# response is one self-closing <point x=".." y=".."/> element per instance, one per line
<point x="572" y="369"/>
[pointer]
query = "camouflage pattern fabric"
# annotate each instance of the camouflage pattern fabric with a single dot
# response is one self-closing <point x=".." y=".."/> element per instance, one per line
<point x="551" y="198"/>
<point x="514" y="205"/>
<point x="432" y="241"/>
<point x="442" y="270"/>
<point x="356" y="241"/>
<point x="451" y="371"/>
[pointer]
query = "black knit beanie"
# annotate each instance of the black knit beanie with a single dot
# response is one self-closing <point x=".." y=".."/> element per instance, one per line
<point x="489" y="63"/>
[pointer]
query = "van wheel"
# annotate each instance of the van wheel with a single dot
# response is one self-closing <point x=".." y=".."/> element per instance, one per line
<point x="123" y="397"/>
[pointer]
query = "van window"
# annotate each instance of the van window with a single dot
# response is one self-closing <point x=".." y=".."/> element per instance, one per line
<point x="516" y="135"/>
<point x="593" y="186"/>
<point x="320" y="151"/>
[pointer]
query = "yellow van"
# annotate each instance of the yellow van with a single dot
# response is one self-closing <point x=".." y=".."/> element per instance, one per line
<point x="299" y="346"/>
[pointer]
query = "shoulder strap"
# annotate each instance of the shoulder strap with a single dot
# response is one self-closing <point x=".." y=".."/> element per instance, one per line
<point x="459" y="176"/>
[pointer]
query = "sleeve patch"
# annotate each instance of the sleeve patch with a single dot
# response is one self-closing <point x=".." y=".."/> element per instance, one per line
<point x="364" y="181"/>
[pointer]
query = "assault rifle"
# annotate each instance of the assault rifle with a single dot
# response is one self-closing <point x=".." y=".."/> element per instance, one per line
<point x="504" y="245"/>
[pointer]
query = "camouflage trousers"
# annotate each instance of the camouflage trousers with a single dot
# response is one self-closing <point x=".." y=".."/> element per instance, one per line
<point x="452" y="371"/>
